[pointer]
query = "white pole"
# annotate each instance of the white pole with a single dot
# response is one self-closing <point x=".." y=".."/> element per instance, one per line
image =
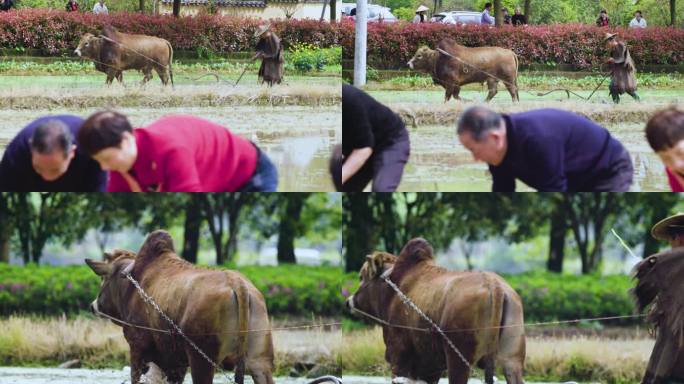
<point x="360" y="43"/>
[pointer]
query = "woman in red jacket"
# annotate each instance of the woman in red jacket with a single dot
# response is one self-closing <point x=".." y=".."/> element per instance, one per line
<point x="665" y="134"/>
<point x="176" y="153"/>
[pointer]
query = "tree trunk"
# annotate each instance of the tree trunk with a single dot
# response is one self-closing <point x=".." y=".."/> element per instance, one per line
<point x="191" y="232"/>
<point x="673" y="19"/>
<point x="5" y="228"/>
<point x="527" y="11"/>
<point x="557" y="240"/>
<point x="232" y="244"/>
<point x="288" y="227"/>
<point x="4" y="247"/>
<point x="176" y="8"/>
<point x="358" y="229"/>
<point x="498" y="20"/>
<point x="142" y="5"/>
<point x="467" y="250"/>
<point x="333" y="10"/>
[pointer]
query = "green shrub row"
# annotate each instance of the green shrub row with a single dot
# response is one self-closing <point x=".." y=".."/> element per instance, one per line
<point x="293" y="290"/>
<point x="289" y="290"/>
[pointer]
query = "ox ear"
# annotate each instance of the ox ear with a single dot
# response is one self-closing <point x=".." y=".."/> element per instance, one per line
<point x="100" y="268"/>
<point x="377" y="263"/>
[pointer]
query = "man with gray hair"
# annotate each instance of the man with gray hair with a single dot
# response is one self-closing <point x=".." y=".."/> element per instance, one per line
<point x="547" y="149"/>
<point x="44" y="158"/>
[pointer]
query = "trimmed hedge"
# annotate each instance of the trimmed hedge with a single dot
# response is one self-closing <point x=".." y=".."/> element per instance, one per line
<point x="288" y="290"/>
<point x="302" y="291"/>
<point x="391" y="45"/>
<point x="56" y="31"/>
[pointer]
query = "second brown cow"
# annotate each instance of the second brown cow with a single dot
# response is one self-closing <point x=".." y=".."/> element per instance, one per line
<point x="452" y="65"/>
<point x="480" y="313"/>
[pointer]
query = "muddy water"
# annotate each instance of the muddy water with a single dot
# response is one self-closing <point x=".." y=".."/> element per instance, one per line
<point x="87" y="376"/>
<point x="386" y="380"/>
<point x="298" y="139"/>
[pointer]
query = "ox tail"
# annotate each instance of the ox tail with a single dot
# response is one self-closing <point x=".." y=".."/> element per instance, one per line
<point x="243" y="323"/>
<point x="497" y="302"/>
<point x="170" y="61"/>
<point x="515" y="79"/>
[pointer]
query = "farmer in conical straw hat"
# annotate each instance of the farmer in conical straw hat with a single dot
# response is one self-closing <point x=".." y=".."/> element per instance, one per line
<point x="270" y="51"/>
<point x="420" y="14"/>
<point x="623" y="77"/>
<point x="670" y="229"/>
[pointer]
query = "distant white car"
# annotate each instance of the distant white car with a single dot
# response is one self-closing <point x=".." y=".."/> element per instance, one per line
<point x="457" y="17"/>
<point x="376" y="13"/>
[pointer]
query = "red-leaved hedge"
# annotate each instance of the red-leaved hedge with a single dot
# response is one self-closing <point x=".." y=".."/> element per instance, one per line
<point x="391" y="45"/>
<point x="53" y="31"/>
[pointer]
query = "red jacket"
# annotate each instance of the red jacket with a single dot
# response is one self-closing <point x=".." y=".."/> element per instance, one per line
<point x="188" y="154"/>
<point x="674" y="183"/>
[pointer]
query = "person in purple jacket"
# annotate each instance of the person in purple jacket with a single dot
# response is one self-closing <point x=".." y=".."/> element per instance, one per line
<point x="547" y="149"/>
<point x="44" y="157"/>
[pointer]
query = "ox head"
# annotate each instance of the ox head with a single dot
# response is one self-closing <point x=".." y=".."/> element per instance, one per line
<point x="368" y="297"/>
<point x="88" y="46"/>
<point x="114" y="283"/>
<point x="423" y="60"/>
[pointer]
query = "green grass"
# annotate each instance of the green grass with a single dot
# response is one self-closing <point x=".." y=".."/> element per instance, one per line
<point x="85" y="67"/>
<point x="549" y="359"/>
<point x="542" y="82"/>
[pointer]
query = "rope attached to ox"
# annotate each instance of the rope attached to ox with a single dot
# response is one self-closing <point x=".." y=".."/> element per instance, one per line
<point x="178" y="331"/>
<point x="538" y="94"/>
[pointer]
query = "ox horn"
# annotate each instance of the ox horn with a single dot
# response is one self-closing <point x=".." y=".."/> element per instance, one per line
<point x="387" y="273"/>
<point x="128" y="269"/>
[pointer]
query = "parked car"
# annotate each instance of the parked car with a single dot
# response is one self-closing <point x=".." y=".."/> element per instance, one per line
<point x="458" y="17"/>
<point x="376" y="13"/>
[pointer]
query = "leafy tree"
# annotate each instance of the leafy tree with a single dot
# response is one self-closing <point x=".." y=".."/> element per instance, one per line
<point x="223" y="211"/>
<point x="41" y="217"/>
<point x="291" y="225"/>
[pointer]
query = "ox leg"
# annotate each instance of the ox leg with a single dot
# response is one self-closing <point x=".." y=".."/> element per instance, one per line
<point x="513" y="371"/>
<point x="491" y="85"/>
<point x="110" y="77"/>
<point x="163" y="73"/>
<point x="175" y="375"/>
<point x="489" y="370"/>
<point x="137" y="365"/>
<point x="147" y="75"/>
<point x="202" y="372"/>
<point x="513" y="90"/>
<point x="455" y="91"/>
<point x="260" y="371"/>
<point x="457" y="371"/>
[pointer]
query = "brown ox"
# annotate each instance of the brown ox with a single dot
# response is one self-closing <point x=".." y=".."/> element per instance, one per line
<point x="462" y="65"/>
<point x="115" y="52"/>
<point x="479" y="312"/>
<point x="213" y="308"/>
<point x="660" y="283"/>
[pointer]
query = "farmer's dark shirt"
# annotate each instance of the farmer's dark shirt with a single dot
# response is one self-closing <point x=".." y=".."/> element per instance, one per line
<point x="554" y="150"/>
<point x="17" y="174"/>
<point x="366" y="122"/>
